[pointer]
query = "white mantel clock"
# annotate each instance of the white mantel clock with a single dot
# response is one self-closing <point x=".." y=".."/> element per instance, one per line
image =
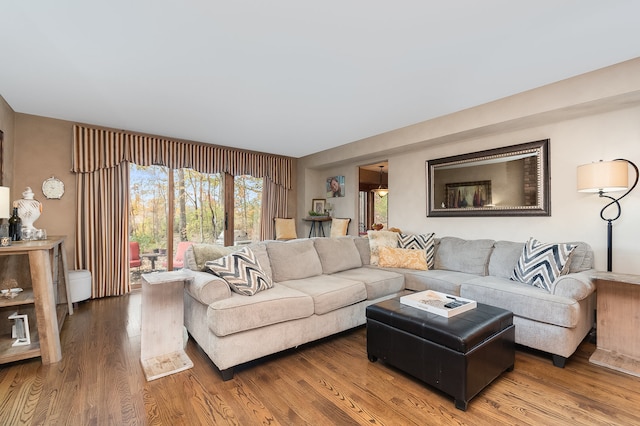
<point x="53" y="188"/>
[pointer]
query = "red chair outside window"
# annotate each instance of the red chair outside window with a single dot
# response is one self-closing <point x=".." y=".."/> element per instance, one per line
<point x="134" y="255"/>
<point x="178" y="259"/>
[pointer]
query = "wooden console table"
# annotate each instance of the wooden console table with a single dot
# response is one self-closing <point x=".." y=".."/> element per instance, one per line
<point x="618" y="322"/>
<point x="161" y="338"/>
<point x="40" y="269"/>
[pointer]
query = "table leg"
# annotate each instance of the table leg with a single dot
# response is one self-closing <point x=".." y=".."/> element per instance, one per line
<point x="46" y="315"/>
<point x="312" y="229"/>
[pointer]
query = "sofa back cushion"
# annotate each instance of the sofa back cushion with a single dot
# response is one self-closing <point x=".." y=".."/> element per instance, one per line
<point x="470" y="256"/>
<point x="362" y="244"/>
<point x="504" y="258"/>
<point x="293" y="260"/>
<point x="581" y="258"/>
<point x="337" y="254"/>
<point x="260" y="251"/>
<point x="506" y="254"/>
<point x="197" y="254"/>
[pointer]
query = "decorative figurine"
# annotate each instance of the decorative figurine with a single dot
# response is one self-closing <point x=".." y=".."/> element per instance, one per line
<point x="29" y="209"/>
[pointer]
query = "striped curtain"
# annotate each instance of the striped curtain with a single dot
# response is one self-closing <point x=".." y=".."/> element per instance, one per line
<point x="274" y="204"/>
<point x="101" y="160"/>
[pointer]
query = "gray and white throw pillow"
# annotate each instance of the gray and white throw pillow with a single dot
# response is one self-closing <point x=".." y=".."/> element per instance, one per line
<point x="419" y="242"/>
<point x="541" y="264"/>
<point x="242" y="271"/>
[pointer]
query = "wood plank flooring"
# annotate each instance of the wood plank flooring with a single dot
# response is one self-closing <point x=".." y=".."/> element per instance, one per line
<point x="100" y="382"/>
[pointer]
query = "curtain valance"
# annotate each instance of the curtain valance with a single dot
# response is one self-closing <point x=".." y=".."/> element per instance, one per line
<point x="95" y="149"/>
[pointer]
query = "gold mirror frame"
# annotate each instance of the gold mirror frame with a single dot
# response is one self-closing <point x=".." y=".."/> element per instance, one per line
<point x="508" y="181"/>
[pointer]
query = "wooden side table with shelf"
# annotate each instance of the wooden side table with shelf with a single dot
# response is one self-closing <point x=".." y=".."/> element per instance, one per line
<point x="618" y="322"/>
<point x="40" y="269"/>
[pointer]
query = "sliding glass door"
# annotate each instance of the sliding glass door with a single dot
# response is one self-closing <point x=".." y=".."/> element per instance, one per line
<point x="171" y="209"/>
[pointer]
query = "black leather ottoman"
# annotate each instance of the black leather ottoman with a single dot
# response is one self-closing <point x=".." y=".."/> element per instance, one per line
<point x="460" y="355"/>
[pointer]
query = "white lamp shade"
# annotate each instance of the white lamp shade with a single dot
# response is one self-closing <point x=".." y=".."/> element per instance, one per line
<point x="605" y="176"/>
<point x="5" y="203"/>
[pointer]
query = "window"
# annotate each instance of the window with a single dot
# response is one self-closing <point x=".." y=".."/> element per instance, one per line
<point x="247" y="209"/>
<point x="371" y="205"/>
<point x="148" y="211"/>
<point x="199" y="212"/>
<point x="199" y="207"/>
<point x="380" y="209"/>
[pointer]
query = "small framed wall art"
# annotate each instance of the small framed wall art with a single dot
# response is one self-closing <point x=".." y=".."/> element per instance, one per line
<point x="335" y="186"/>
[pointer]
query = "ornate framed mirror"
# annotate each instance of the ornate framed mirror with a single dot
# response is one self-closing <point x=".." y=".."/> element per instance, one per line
<point x="508" y="181"/>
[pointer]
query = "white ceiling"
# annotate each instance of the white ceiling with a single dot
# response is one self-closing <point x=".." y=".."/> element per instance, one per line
<point x="294" y="77"/>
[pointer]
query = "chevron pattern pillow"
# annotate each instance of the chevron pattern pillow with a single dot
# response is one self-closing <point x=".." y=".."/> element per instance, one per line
<point x="419" y="242"/>
<point x="541" y="264"/>
<point x="242" y="271"/>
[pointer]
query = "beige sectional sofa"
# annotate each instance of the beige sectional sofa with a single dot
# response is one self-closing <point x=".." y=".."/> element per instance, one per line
<point x="321" y="286"/>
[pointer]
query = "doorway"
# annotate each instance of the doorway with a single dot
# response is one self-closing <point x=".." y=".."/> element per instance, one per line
<point x="373" y="196"/>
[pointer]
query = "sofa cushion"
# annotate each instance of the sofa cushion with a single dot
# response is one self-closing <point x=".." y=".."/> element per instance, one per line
<point x="207" y="288"/>
<point x="436" y="279"/>
<point x="239" y="313"/>
<point x="378" y="239"/>
<point x="541" y="264"/>
<point x="469" y="256"/>
<point x="329" y="292"/>
<point x="259" y="249"/>
<point x="198" y="254"/>
<point x="362" y="244"/>
<point x="378" y="282"/>
<point x="337" y="254"/>
<point x="394" y="257"/>
<point x="581" y="257"/>
<point x="419" y="242"/>
<point x="292" y="260"/>
<point x="242" y="271"/>
<point x="523" y="300"/>
<point x="504" y="258"/>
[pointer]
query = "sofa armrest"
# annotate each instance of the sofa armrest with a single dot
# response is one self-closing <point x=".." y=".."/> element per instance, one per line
<point x="207" y="288"/>
<point x="577" y="285"/>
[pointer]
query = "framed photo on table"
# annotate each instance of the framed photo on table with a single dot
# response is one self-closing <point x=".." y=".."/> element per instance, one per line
<point x="318" y="205"/>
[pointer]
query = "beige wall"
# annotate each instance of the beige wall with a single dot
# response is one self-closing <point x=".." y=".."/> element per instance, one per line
<point x="591" y="117"/>
<point x="42" y="150"/>
<point x="7" y="126"/>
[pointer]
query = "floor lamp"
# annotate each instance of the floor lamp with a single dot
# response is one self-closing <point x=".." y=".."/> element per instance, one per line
<point x="603" y="177"/>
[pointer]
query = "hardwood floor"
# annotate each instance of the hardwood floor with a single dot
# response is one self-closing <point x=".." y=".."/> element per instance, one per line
<point x="100" y="382"/>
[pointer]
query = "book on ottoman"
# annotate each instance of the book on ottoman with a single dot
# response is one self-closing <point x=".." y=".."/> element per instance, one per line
<point x="438" y="303"/>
